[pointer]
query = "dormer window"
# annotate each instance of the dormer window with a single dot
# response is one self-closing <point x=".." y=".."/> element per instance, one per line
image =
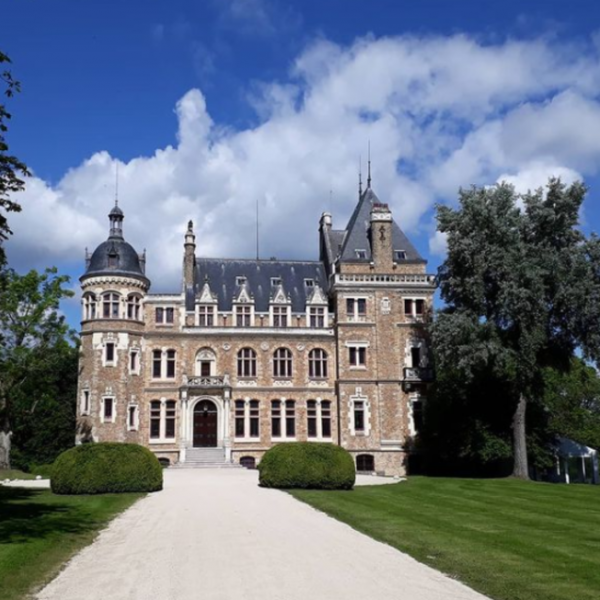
<point x="309" y="283"/>
<point x="243" y="315"/>
<point x="361" y="254"/>
<point x="275" y="281"/>
<point x="400" y="254"/>
<point x="240" y="280"/>
<point x="113" y="260"/>
<point x="280" y="316"/>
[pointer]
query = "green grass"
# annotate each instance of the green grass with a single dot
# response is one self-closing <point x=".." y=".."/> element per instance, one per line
<point x="15" y="474"/>
<point x="509" y="539"/>
<point x="40" y="531"/>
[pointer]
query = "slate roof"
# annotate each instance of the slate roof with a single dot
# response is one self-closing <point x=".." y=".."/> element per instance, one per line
<point x="222" y="277"/>
<point x="357" y="234"/>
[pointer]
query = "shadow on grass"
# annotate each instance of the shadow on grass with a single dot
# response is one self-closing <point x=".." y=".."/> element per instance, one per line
<point x="26" y="515"/>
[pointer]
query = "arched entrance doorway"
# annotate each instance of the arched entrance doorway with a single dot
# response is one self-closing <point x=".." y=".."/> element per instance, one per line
<point x="205" y="424"/>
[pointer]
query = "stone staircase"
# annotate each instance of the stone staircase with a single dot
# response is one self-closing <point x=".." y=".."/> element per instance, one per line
<point x="205" y="458"/>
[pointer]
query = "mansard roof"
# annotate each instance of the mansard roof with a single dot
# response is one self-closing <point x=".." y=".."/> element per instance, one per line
<point x="263" y="278"/>
<point x="356" y="236"/>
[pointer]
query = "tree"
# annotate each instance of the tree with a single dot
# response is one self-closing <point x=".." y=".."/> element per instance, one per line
<point x="31" y="331"/>
<point x="522" y="288"/>
<point x="11" y="168"/>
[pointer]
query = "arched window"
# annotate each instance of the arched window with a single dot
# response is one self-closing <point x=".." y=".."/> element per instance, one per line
<point x="317" y="363"/>
<point x="248" y="461"/>
<point x="133" y="307"/>
<point x="246" y="363"/>
<point x="365" y="462"/>
<point x="89" y="306"/>
<point x="205" y="363"/>
<point x="282" y="363"/>
<point x="110" y="305"/>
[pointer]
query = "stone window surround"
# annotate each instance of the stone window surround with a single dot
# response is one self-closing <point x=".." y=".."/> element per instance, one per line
<point x="319" y="416"/>
<point x="85" y="401"/>
<point x="110" y="339"/>
<point x="282" y="416"/>
<point x="205" y="354"/>
<point x="358" y="397"/>
<point x="235" y="312"/>
<point x="357" y="344"/>
<point x="89" y="302"/>
<point x="138" y="361"/>
<point x="309" y="310"/>
<point x="114" y="408"/>
<point x="415" y="343"/>
<point x="136" y="417"/>
<point x="163" y="364"/>
<point x="355" y="317"/>
<point x="162" y="439"/>
<point x="282" y="362"/>
<point x="413" y="316"/>
<point x="323" y="359"/>
<point x="207" y="310"/>
<point x="287" y="309"/>
<point x="247" y="415"/>
<point x="164" y="322"/>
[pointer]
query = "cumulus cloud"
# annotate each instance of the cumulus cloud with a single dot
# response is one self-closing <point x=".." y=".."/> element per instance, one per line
<point x="441" y="113"/>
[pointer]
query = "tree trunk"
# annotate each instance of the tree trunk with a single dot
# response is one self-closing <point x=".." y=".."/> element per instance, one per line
<point x="521" y="466"/>
<point x="5" y="435"/>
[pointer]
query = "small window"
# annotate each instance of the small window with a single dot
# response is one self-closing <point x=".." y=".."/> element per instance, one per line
<point x="359" y="416"/>
<point x="280" y="316"/>
<point x="399" y="254"/>
<point x="134" y="362"/>
<point x="159" y="314"/>
<point x="113" y="261"/>
<point x="85" y="402"/>
<point x="419" y="307"/>
<point x="361" y="254"/>
<point x="275" y="281"/>
<point x="365" y="462"/>
<point x="317" y="316"/>
<point x="109" y="353"/>
<point x="357" y="356"/>
<point x="240" y="280"/>
<point x="356" y="308"/>
<point x="132" y="418"/>
<point x="417" y="415"/>
<point x="249" y="462"/>
<point x="164" y="315"/>
<point x="243" y="316"/>
<point x="108" y="409"/>
<point x="415" y="357"/>
<point x="309" y="283"/>
<point x="206" y="316"/>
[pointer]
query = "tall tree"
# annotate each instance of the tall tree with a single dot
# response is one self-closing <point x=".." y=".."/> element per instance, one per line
<point x="522" y="288"/>
<point x="11" y="168"/>
<point x="31" y="330"/>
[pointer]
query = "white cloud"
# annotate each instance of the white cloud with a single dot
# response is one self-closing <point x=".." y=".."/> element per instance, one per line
<point x="440" y="113"/>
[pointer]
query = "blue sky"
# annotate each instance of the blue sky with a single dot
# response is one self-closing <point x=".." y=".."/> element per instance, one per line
<point x="212" y="106"/>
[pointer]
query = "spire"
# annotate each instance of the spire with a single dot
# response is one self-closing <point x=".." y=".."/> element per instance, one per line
<point x="359" y="176"/>
<point x="115" y="217"/>
<point x="117" y="184"/>
<point x="369" y="170"/>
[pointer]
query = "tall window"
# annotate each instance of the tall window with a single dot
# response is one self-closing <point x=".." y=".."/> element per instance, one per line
<point x="282" y="363"/>
<point x="108" y="410"/>
<point x="246" y="363"/>
<point x="243" y="316"/>
<point x="109" y="353"/>
<point x="156" y="363"/>
<point x="164" y="315"/>
<point x="326" y="419"/>
<point x="415" y="356"/>
<point x="163" y="415"/>
<point x="276" y="418"/>
<point x="290" y="418"/>
<point x="85" y="402"/>
<point x="132" y="417"/>
<point x="317" y="363"/>
<point x="356" y="308"/>
<point x="240" y="418"/>
<point x="206" y="315"/>
<point x="280" y="316"/>
<point x="254" y="418"/>
<point x="359" y="416"/>
<point x="155" y="414"/>
<point x="311" y="418"/>
<point x="163" y="364"/>
<point x="133" y="307"/>
<point x="317" y="316"/>
<point x="170" y="372"/>
<point x="134" y="362"/>
<point x="110" y="306"/>
<point x="357" y="356"/>
<point x="417" y="415"/>
<point x="89" y="306"/>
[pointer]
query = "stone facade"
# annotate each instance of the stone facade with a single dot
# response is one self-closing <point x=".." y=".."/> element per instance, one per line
<point x="254" y="353"/>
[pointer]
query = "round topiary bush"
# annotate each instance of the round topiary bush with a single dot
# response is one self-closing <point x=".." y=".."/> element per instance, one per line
<point x="106" y="467"/>
<point x="307" y="465"/>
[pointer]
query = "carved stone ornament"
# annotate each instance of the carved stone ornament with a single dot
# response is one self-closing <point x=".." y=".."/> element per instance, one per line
<point x="300" y="347"/>
<point x="317" y="383"/>
<point x="282" y="383"/>
<point x="264" y="346"/>
<point x="226" y="347"/>
<point x="386" y="306"/>
<point x="247" y="383"/>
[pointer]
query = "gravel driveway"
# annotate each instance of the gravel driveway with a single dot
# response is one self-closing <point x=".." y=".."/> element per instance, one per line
<point x="215" y="535"/>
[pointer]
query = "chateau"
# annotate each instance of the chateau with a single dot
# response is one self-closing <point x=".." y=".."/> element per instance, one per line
<point x="251" y="353"/>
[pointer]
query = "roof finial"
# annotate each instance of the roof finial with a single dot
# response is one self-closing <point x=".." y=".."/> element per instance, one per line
<point x="359" y="176"/>
<point x="369" y="171"/>
<point x="117" y="185"/>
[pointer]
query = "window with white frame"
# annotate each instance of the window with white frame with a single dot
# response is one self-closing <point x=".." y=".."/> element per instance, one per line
<point x="134" y="361"/>
<point x="108" y="409"/>
<point x="357" y="356"/>
<point x="318" y="419"/>
<point x="133" y="419"/>
<point x="282" y="363"/>
<point x="243" y="315"/>
<point x="276" y="418"/>
<point x="163" y="364"/>
<point x="134" y="307"/>
<point x="240" y="418"/>
<point x="246" y="363"/>
<point x="290" y="418"/>
<point x="85" y="405"/>
<point x="110" y="354"/>
<point x="110" y="305"/>
<point x="358" y="415"/>
<point x="254" y="419"/>
<point x="163" y="415"/>
<point x="317" y="316"/>
<point x="247" y="419"/>
<point x="317" y="363"/>
<point x="414" y="308"/>
<point x="205" y="363"/>
<point x="206" y="315"/>
<point x="325" y="418"/>
<point x="164" y="315"/>
<point x="311" y="418"/>
<point x="356" y="309"/>
<point x="417" y="415"/>
<point x="89" y="306"/>
<point x="280" y="316"/>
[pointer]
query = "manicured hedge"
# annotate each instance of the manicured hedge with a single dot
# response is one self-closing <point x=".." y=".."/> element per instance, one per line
<point x="307" y="465"/>
<point x="106" y="467"/>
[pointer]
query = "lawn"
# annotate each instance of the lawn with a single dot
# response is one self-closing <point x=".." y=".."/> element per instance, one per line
<point x="40" y="531"/>
<point x="509" y="539"/>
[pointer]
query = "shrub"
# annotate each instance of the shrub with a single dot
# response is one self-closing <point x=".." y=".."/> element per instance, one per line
<point x="104" y="468"/>
<point x="307" y="465"/>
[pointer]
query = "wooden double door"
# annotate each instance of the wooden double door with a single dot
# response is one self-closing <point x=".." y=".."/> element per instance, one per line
<point x="205" y="424"/>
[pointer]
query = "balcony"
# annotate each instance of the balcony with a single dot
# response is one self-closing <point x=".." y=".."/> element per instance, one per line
<point x="208" y="382"/>
<point x="414" y="376"/>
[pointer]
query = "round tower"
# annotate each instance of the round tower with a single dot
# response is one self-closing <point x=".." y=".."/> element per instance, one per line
<point x="114" y="287"/>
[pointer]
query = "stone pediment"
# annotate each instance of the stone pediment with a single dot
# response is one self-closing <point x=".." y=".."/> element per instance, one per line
<point x="206" y="295"/>
<point x="243" y="296"/>
<point x="317" y="296"/>
<point x="280" y="297"/>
